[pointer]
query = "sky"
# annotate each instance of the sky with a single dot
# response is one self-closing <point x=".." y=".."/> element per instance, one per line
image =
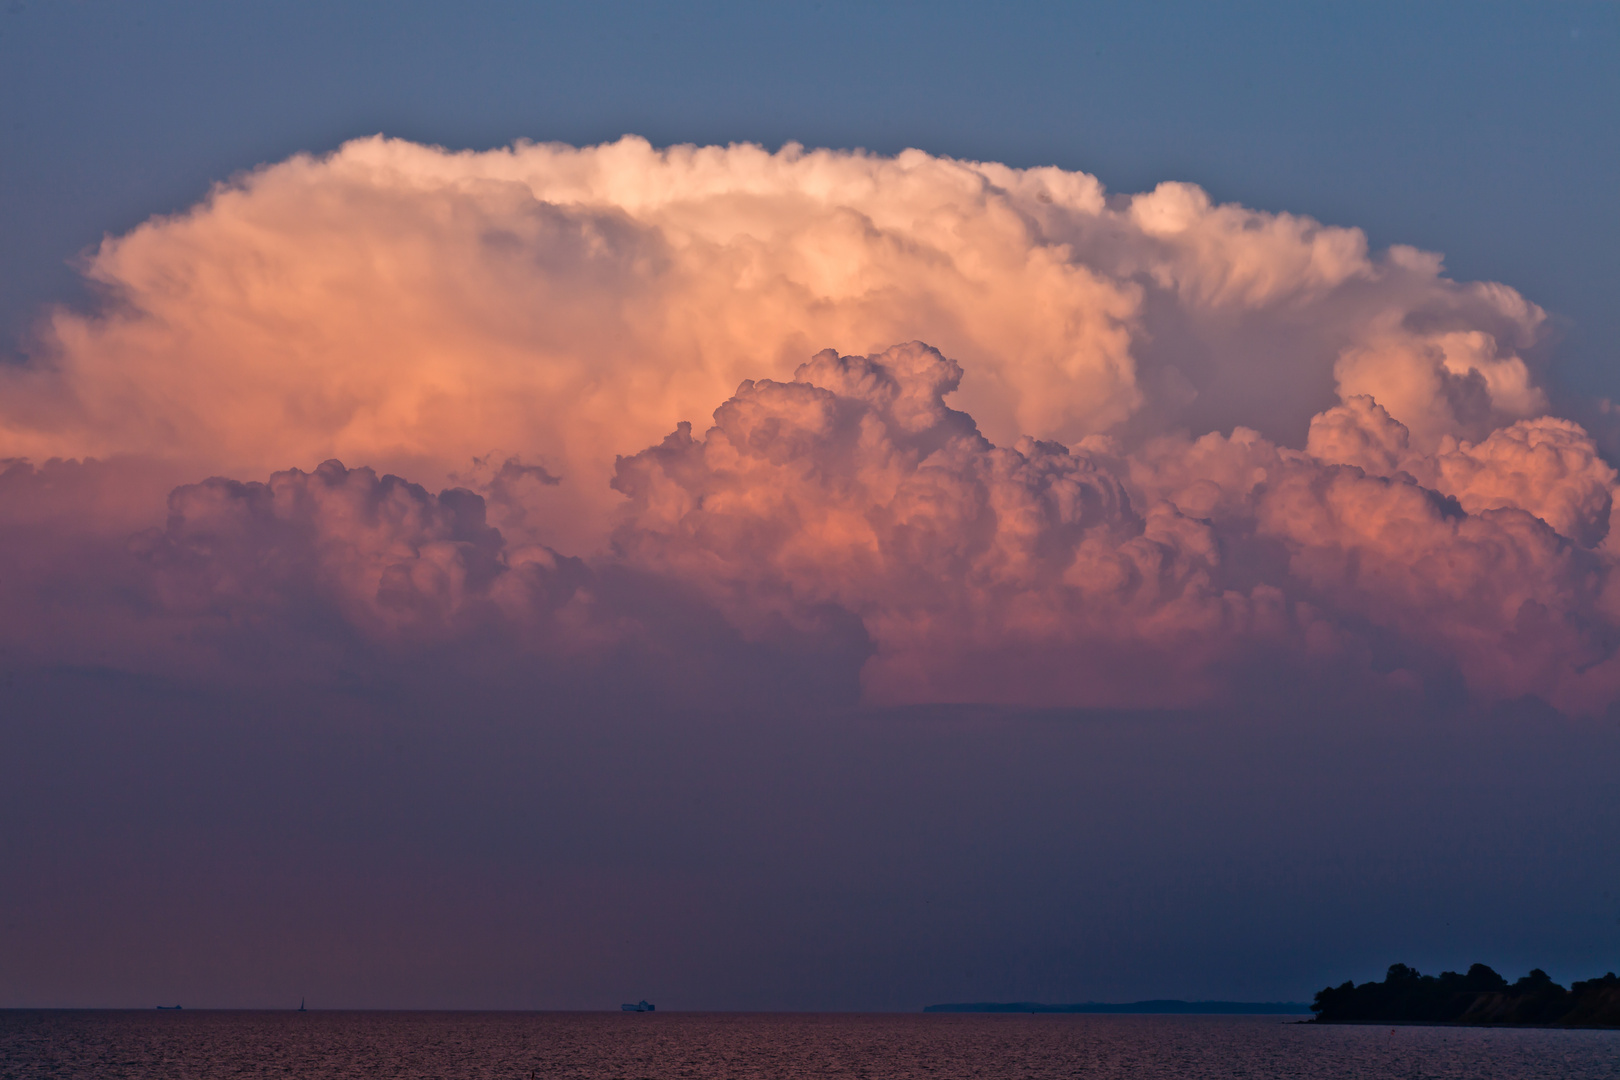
<point x="522" y="507"/>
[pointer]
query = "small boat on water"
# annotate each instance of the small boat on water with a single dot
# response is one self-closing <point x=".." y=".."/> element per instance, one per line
<point x="641" y="1006"/>
<point x="168" y="1006"/>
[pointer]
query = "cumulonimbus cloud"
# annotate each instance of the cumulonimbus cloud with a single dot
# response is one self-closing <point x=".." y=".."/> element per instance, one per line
<point x="412" y="309"/>
<point x="1184" y="442"/>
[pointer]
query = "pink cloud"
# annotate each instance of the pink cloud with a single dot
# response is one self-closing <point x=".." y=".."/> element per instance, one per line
<point x="1185" y="442"/>
<point x="414" y="309"/>
<point x="1039" y="574"/>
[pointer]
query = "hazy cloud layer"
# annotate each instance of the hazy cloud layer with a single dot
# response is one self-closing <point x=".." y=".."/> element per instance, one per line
<point x="1190" y="451"/>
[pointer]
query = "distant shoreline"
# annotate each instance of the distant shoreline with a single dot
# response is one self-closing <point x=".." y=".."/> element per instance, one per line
<point x="1157" y="1007"/>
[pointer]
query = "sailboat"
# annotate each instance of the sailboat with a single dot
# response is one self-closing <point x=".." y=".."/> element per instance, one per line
<point x="301" y="1004"/>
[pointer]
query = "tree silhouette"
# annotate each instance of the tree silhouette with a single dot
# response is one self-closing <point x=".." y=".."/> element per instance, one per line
<point x="1480" y="997"/>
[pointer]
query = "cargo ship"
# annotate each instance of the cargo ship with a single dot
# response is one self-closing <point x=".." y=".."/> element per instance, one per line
<point x="640" y="1006"/>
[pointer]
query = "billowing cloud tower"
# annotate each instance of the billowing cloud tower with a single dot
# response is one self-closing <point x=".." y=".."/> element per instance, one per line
<point x="978" y="434"/>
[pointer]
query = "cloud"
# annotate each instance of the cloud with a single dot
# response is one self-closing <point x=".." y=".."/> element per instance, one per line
<point x="412" y="309"/>
<point x="1548" y="466"/>
<point x="343" y="578"/>
<point x="1191" y="451"/>
<point x="856" y="485"/>
<point x="1043" y="575"/>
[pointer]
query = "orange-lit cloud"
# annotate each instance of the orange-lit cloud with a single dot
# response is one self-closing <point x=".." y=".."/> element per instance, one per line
<point x="1184" y="444"/>
<point x="413" y="309"/>
<point x="1040" y="574"/>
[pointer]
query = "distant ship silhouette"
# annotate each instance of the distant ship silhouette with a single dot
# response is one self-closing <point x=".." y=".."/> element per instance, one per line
<point x="641" y="1006"/>
<point x="168" y="1006"/>
<point x="301" y="1005"/>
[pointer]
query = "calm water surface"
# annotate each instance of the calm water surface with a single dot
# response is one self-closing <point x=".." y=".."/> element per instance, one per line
<point x="177" y="1046"/>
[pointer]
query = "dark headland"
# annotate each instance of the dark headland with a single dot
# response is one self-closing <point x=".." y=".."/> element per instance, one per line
<point x="1479" y="997"/>
<point x="1228" y="1008"/>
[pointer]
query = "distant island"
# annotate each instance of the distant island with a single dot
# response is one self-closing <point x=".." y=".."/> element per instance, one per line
<point x="1479" y="997"/>
<point x="1228" y="1008"/>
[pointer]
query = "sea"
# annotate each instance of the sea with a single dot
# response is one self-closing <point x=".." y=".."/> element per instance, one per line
<point x="152" y="1045"/>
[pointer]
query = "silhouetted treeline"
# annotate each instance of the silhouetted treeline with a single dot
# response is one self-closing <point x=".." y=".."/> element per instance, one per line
<point x="1479" y="997"/>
